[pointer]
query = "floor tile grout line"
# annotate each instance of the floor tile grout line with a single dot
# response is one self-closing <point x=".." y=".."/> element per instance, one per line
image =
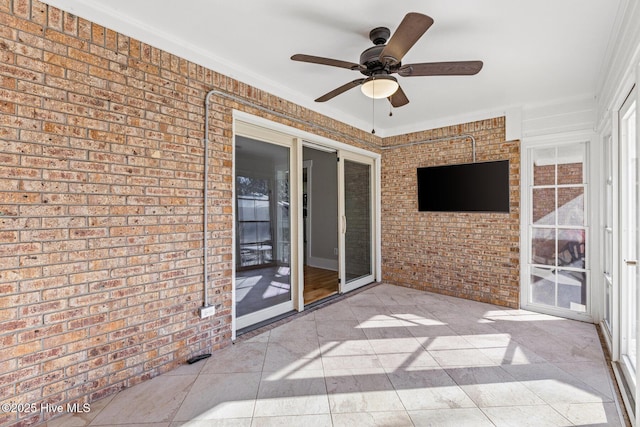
<point x="188" y="391"/>
<point x="96" y="416"/>
<point x="255" y="400"/>
<point x="527" y="406"/>
<point x="324" y="372"/>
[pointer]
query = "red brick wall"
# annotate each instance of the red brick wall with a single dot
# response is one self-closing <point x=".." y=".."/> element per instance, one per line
<point x="101" y="169"/>
<point x="468" y="255"/>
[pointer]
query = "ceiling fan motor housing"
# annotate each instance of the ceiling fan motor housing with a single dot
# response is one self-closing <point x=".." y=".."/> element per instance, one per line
<point x="370" y="58"/>
<point x="379" y="35"/>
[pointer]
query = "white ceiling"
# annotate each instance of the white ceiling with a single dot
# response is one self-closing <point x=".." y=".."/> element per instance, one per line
<point x="534" y="52"/>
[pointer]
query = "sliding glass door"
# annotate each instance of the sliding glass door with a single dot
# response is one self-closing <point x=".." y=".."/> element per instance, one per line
<point x="357" y="219"/>
<point x="263" y="271"/>
<point x="305" y="221"/>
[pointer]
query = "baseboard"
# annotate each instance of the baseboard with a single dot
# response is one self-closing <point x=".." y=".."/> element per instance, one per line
<point x="625" y="392"/>
<point x="324" y="263"/>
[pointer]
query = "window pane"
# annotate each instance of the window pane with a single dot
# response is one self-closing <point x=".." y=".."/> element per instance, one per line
<point x="608" y="305"/>
<point x="571" y="248"/>
<point x="608" y="251"/>
<point x="263" y="231"/>
<point x="252" y="186"/>
<point x="570" y="164"/>
<point x="543" y="286"/>
<point x="544" y="206"/>
<point x="262" y="210"/>
<point x="571" y="206"/>
<point x="609" y="206"/>
<point x="572" y="289"/>
<point x="544" y="166"/>
<point x="246" y="211"/>
<point x="543" y="246"/>
<point x="631" y="332"/>
<point x="248" y="232"/>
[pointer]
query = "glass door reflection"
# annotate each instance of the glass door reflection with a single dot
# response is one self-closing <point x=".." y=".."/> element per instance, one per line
<point x="263" y="237"/>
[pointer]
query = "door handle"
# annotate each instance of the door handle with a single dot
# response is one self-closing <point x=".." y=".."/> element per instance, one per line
<point x="344" y="224"/>
<point x="631" y="261"/>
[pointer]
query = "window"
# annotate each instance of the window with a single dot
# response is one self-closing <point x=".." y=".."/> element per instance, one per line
<point x="558" y="233"/>
<point x="608" y="236"/>
<point x="254" y="221"/>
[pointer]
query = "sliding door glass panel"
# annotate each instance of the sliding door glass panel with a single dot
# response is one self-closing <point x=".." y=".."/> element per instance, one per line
<point x="358" y="220"/>
<point x="263" y="222"/>
<point x="320" y="223"/>
<point x="558" y="231"/>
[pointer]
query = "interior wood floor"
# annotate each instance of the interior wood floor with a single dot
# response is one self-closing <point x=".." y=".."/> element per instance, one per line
<point x="319" y="283"/>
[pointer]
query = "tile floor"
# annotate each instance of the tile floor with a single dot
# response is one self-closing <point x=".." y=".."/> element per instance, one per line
<point x="388" y="356"/>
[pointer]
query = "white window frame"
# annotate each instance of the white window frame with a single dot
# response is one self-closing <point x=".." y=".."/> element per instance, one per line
<point x="594" y="293"/>
<point x="609" y="225"/>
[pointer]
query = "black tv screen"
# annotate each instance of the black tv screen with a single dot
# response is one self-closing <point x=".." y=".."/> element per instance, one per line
<point x="468" y="187"/>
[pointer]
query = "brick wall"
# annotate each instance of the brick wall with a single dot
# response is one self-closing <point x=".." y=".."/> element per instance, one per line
<point x="468" y="255"/>
<point x="101" y="207"/>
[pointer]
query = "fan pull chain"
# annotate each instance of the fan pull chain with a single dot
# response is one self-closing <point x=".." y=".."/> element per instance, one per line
<point x="373" y="108"/>
<point x="373" y="115"/>
<point x="390" y="108"/>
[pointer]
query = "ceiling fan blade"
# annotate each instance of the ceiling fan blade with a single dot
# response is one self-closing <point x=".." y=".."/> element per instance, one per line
<point x="412" y="27"/>
<point x="459" y="68"/>
<point x="326" y="61"/>
<point x="339" y="90"/>
<point x="399" y="98"/>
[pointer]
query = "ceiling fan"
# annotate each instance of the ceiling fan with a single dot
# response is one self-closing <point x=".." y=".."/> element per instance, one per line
<point x="377" y="63"/>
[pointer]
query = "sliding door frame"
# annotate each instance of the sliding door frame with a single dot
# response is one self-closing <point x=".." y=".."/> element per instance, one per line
<point x="269" y="136"/>
<point x="300" y="138"/>
<point x="345" y="285"/>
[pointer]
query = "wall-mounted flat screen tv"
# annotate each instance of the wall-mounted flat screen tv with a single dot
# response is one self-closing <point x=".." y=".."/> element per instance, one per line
<point x="468" y="187"/>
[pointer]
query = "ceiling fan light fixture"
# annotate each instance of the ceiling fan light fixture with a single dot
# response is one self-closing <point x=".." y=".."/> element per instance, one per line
<point x="380" y="86"/>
